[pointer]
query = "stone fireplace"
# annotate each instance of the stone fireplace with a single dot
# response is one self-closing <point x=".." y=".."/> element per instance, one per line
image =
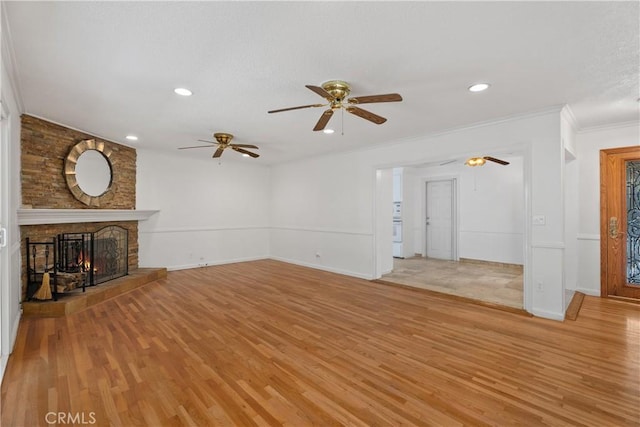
<point x="49" y="209"/>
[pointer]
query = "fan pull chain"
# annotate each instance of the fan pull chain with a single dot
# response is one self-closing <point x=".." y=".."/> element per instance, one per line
<point x="342" y="120"/>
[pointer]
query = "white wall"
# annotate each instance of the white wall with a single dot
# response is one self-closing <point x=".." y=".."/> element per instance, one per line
<point x="328" y="201"/>
<point x="571" y="210"/>
<point x="490" y="208"/>
<point x="10" y="284"/>
<point x="385" y="195"/>
<point x="324" y="206"/>
<point x="210" y="213"/>
<point x="588" y="146"/>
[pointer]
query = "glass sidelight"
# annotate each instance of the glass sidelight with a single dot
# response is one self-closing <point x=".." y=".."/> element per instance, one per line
<point x="633" y="222"/>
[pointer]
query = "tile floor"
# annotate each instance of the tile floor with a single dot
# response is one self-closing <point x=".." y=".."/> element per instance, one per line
<point x="490" y="282"/>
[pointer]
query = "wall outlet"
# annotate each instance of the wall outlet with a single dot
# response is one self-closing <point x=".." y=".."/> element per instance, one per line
<point x="317" y="254"/>
<point x="539" y="286"/>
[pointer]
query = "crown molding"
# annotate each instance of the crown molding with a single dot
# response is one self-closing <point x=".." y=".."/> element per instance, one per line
<point x="610" y="126"/>
<point x="570" y="117"/>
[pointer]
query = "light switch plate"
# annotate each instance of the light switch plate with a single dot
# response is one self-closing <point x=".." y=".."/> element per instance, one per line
<point x="539" y="220"/>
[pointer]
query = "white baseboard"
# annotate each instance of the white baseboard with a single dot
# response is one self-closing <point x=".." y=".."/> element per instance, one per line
<point x="548" y="314"/>
<point x="590" y="292"/>
<point x="3" y="365"/>
<point x="212" y="263"/>
<point x="324" y="268"/>
<point x="12" y="342"/>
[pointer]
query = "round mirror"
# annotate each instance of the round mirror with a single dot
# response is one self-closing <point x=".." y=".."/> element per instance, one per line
<point x="87" y="169"/>
<point x="93" y="173"/>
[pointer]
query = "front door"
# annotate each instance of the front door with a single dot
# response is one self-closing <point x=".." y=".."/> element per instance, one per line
<point x="439" y="219"/>
<point x="620" y="222"/>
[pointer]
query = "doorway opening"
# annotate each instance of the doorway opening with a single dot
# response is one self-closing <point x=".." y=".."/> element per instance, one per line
<point x="466" y="230"/>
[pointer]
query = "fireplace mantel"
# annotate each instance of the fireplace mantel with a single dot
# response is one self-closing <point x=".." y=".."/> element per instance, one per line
<point x="65" y="216"/>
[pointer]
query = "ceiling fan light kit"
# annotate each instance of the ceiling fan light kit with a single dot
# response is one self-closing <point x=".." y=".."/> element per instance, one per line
<point x="479" y="161"/>
<point x="223" y="142"/>
<point x="475" y="161"/>
<point x="336" y="93"/>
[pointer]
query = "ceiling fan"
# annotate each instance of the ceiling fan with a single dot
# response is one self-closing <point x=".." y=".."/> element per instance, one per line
<point x="335" y="91"/>
<point x="224" y="142"/>
<point x="479" y="161"/>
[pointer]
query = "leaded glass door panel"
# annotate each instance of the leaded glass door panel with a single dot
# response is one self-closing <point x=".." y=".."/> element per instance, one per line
<point x="633" y="222"/>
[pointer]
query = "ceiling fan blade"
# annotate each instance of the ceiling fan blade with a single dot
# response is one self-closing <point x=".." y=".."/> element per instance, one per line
<point x="296" y="108"/>
<point x="389" y="97"/>
<point x="210" y="142"/>
<point x="244" y="146"/>
<point x="493" y="159"/>
<point x="320" y="91"/>
<point x="240" y="150"/>
<point x="198" y="146"/>
<point x="324" y="119"/>
<point x="218" y="152"/>
<point x="367" y="115"/>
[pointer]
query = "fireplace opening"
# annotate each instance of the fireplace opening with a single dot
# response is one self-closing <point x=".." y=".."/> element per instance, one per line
<point x="101" y="256"/>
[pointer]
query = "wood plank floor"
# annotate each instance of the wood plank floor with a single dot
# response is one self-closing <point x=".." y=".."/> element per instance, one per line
<point x="268" y="343"/>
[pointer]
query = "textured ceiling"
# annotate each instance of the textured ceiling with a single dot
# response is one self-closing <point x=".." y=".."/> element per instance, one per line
<point x="109" y="68"/>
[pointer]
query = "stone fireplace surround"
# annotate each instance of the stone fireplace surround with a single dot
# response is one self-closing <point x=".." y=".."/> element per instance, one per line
<point x="48" y="206"/>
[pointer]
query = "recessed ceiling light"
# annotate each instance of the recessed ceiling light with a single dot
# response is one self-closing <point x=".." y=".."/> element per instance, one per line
<point x="328" y="131"/>
<point x="479" y="87"/>
<point x="182" y="91"/>
<point x="245" y="155"/>
<point x="132" y="137"/>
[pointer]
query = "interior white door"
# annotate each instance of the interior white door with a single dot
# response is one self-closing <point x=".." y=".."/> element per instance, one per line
<point x="439" y="219"/>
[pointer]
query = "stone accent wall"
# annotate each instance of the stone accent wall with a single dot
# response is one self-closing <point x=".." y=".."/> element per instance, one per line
<point x="44" y="146"/>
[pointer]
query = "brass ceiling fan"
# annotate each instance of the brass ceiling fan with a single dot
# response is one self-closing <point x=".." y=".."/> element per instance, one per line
<point x="479" y="161"/>
<point x="224" y="142"/>
<point x="336" y="92"/>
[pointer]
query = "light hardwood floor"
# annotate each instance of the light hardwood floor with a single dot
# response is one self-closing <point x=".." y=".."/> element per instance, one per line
<point x="484" y="281"/>
<point x="269" y="343"/>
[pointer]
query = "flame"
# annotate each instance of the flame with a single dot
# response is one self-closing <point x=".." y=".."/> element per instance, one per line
<point x="85" y="265"/>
